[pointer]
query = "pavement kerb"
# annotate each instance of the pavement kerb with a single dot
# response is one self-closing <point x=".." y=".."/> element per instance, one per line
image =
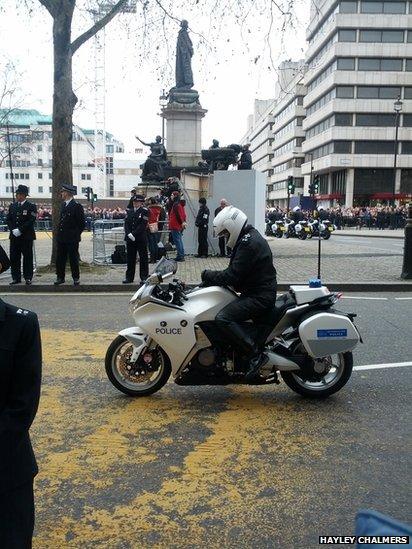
<point x="401" y="286"/>
<point x="365" y="235"/>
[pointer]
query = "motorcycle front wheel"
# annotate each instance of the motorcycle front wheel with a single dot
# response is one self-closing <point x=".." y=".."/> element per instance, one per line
<point x="278" y="234"/>
<point x="302" y="235"/>
<point x="326" y="235"/>
<point x="140" y="378"/>
<point x="338" y="373"/>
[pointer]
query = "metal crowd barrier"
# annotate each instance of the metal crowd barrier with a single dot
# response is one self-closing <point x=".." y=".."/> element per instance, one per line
<point x="109" y="233"/>
<point x="43" y="225"/>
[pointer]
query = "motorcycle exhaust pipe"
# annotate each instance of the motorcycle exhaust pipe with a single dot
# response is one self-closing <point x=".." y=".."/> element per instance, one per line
<point x="281" y="363"/>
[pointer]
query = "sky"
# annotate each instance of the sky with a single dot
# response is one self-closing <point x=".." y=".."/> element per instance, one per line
<point x="232" y="63"/>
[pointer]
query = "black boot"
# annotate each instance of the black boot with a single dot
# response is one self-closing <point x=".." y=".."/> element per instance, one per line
<point x="255" y="364"/>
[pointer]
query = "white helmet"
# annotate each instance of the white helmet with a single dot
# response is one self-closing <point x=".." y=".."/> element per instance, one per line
<point x="296" y="209"/>
<point x="320" y="208"/>
<point x="229" y="222"/>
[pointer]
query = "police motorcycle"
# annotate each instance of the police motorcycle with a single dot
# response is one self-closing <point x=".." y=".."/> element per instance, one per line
<point x="325" y="227"/>
<point x="289" y="230"/>
<point x="302" y="229"/>
<point x="278" y="228"/>
<point x="308" y="342"/>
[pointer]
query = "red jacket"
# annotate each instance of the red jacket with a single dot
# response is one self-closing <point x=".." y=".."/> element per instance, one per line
<point x="154" y="213"/>
<point x="177" y="216"/>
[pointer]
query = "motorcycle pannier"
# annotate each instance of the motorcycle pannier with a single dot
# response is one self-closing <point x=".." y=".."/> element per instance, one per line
<point x="326" y="334"/>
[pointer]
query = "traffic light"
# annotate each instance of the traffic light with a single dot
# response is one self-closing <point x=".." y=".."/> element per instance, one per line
<point x="291" y="185"/>
<point x="314" y="187"/>
<point x="316" y="183"/>
<point x="94" y="197"/>
<point x="87" y="194"/>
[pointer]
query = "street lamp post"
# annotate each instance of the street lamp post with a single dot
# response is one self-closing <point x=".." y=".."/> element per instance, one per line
<point x="407" y="250"/>
<point x="163" y="103"/>
<point x="397" y="106"/>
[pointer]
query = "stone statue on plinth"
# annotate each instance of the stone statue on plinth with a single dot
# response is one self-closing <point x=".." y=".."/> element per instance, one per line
<point x="153" y="168"/>
<point x="184" y="54"/>
<point x="182" y="92"/>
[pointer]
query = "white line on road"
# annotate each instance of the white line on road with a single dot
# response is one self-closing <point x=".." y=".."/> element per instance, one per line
<point x="57" y="294"/>
<point x="402" y="298"/>
<point x="362" y="297"/>
<point x="382" y="366"/>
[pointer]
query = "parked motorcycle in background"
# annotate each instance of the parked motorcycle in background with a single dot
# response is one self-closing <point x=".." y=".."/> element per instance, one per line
<point x="325" y="227"/>
<point x="278" y="228"/>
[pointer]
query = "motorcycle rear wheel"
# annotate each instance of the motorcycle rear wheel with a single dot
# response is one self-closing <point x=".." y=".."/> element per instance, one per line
<point x="123" y="381"/>
<point x="302" y="235"/>
<point x="326" y="236"/>
<point x="330" y="384"/>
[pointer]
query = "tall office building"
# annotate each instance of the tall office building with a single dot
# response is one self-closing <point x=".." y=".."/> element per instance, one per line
<point x="359" y="71"/>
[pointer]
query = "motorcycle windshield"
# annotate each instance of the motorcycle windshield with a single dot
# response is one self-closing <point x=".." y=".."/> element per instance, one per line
<point x="165" y="267"/>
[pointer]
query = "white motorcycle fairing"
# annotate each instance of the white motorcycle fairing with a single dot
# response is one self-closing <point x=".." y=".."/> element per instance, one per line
<point x="176" y="325"/>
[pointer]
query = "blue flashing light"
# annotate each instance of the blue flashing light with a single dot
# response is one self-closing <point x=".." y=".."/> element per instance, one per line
<point x="315" y="283"/>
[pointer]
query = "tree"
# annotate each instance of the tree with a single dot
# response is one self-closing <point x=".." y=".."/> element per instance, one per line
<point x="64" y="98"/>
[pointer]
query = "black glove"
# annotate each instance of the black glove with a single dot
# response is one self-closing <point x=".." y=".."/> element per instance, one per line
<point x="203" y="276"/>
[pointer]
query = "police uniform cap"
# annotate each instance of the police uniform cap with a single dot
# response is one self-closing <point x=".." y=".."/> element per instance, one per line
<point x="69" y="188"/>
<point x="22" y="189"/>
<point x="139" y="198"/>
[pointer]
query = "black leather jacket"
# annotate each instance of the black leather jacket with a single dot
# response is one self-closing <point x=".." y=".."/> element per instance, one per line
<point x="251" y="271"/>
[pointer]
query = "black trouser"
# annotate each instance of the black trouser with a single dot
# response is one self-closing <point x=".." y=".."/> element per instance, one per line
<point x="17" y="517"/>
<point x="202" y="238"/>
<point x="65" y="249"/>
<point x="18" y="248"/>
<point x="138" y="246"/>
<point x="231" y="317"/>
<point x="222" y="245"/>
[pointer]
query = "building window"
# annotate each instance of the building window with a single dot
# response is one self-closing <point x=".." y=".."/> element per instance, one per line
<point x="39" y="162"/>
<point x="369" y="64"/>
<point x="39" y="148"/>
<point x="50" y="176"/>
<point x="347" y="35"/>
<point x="88" y="176"/>
<point x="26" y="176"/>
<point x="392" y="36"/>
<point x="374" y="147"/>
<point x="39" y="189"/>
<point x="39" y="175"/>
<point x="83" y="176"/>
<point x="378" y="92"/>
<point x="339" y="182"/>
<point x="407" y="120"/>
<point x="346" y="64"/>
<point x="406" y="147"/>
<point x="409" y="36"/>
<point x="50" y="190"/>
<point x="342" y="147"/>
<point x="408" y="65"/>
<point x="111" y="187"/>
<point x="391" y="64"/>
<point x="376" y="119"/>
<point x="372" y="180"/>
<point x="347" y="6"/>
<point x="407" y="93"/>
<point x="383" y="7"/>
<point x="406" y="178"/>
<point x="345" y="92"/>
<point x="343" y="119"/>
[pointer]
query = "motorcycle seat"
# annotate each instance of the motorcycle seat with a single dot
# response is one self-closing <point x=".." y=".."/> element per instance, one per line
<point x="282" y="304"/>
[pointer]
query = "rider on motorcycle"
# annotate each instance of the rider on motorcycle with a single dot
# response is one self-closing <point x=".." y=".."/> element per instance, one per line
<point x="252" y="274"/>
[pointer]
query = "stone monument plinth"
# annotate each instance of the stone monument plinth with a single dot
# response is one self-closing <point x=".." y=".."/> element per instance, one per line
<point x="183" y="115"/>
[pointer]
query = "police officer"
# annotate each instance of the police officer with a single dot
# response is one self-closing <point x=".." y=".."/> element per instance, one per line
<point x="20" y="378"/>
<point x="202" y="223"/>
<point x="71" y="226"/>
<point x="135" y="226"/>
<point x="20" y="220"/>
<point x="252" y="274"/>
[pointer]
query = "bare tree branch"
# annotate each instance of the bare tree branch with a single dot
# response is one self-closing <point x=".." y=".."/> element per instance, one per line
<point x="94" y="29"/>
<point x="50" y="5"/>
